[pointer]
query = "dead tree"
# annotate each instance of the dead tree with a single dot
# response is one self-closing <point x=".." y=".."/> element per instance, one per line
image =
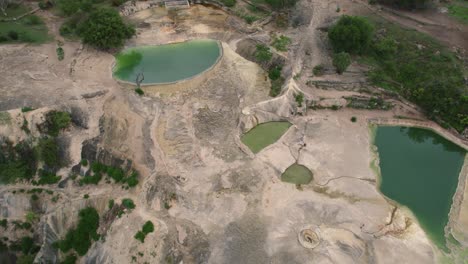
<point x="139" y="79"/>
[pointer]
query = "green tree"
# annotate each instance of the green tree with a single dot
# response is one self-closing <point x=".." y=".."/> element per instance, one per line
<point x="105" y="29"/>
<point x="351" y="34"/>
<point x="341" y="61"/>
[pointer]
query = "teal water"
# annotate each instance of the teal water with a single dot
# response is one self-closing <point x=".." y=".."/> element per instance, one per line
<point x="166" y="63"/>
<point x="420" y="170"/>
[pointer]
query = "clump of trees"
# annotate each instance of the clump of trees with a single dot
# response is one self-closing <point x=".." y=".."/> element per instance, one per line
<point x="351" y="34"/>
<point x="100" y="27"/>
<point x="80" y="238"/>
<point x="147" y="228"/>
<point x="105" y="29"/>
<point x="98" y="169"/>
<point x="410" y="63"/>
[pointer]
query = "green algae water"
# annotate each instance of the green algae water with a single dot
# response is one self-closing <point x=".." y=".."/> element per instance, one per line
<point x="264" y="134"/>
<point x="297" y="174"/>
<point x="420" y="170"/>
<point x="166" y="63"/>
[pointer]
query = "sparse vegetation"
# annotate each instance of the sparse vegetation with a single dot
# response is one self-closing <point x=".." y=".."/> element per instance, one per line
<point x="29" y="29"/>
<point x="263" y="53"/>
<point x="281" y="43"/>
<point x="421" y="70"/>
<point x="299" y="99"/>
<point x="55" y="122"/>
<point x="318" y="70"/>
<point x="17" y="162"/>
<point x="49" y="152"/>
<point x="459" y="10"/>
<point x="26" y="109"/>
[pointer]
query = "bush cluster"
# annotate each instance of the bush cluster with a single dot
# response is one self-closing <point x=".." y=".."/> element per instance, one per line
<point x="80" y="238"/>
<point x="147" y="228"/>
<point x="117" y="174"/>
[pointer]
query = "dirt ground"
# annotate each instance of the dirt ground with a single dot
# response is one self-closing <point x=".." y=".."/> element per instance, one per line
<point x="230" y="205"/>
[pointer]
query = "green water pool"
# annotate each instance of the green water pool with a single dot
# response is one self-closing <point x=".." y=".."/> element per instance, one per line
<point x="420" y="170"/>
<point x="166" y="63"/>
<point x="297" y="174"/>
<point x="264" y="135"/>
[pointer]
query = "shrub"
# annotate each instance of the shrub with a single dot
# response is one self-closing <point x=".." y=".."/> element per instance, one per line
<point x="353" y="119"/>
<point x="111" y="203"/>
<point x="128" y="203"/>
<point x="139" y="91"/>
<point x="140" y="236"/>
<point x="299" y="99"/>
<point x="318" y="70"/>
<point x="105" y="29"/>
<point x="275" y="73"/>
<point x="341" y="61"/>
<point x="56" y="121"/>
<point x="281" y="43"/>
<point x="48" y="177"/>
<point x="27" y="245"/>
<point x="13" y="35"/>
<point x="3" y="38"/>
<point x="263" y="53"/>
<point x="148" y="227"/>
<point x="229" y="3"/>
<point x="32" y="20"/>
<point x="60" y="53"/>
<point x="26" y="109"/>
<point x="118" y="2"/>
<point x="351" y="34"/>
<point x="132" y="180"/>
<point x="86" y="196"/>
<point x="84" y="162"/>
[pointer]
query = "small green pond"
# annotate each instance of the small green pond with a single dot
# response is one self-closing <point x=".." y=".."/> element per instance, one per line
<point x="420" y="170"/>
<point x="166" y="63"/>
<point x="264" y="134"/>
<point x="297" y="174"/>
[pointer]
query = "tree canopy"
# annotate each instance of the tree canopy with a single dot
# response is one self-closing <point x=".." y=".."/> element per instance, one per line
<point x="105" y="29"/>
<point x="351" y="34"/>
